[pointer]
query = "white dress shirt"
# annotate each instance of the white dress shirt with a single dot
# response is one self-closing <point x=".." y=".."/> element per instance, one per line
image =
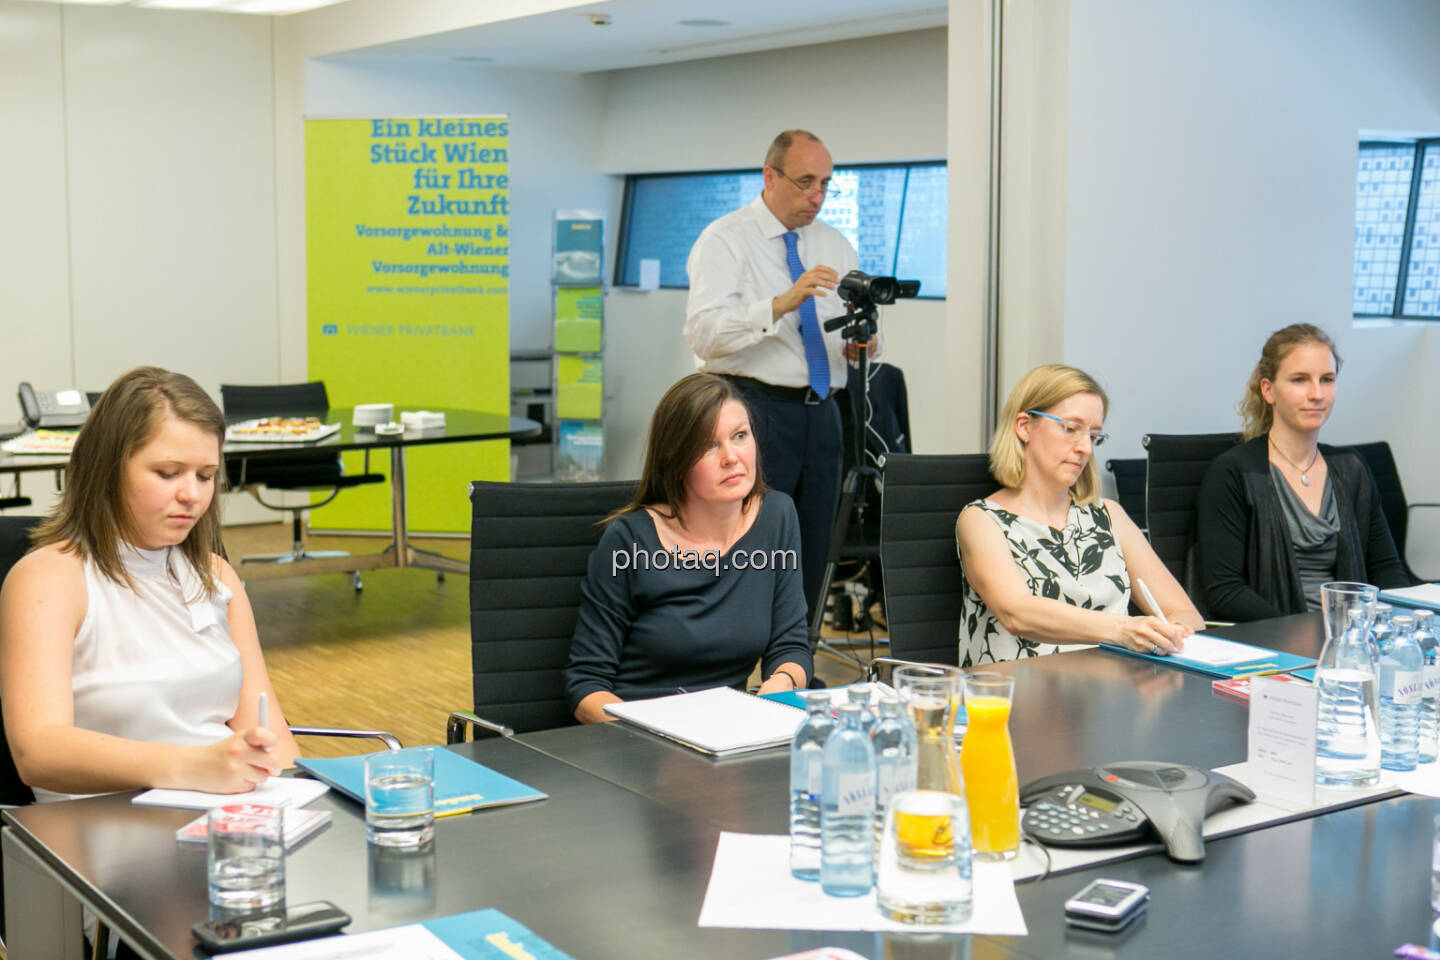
<point x="736" y="268"/>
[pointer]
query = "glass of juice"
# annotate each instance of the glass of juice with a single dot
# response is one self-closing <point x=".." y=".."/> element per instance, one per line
<point x="987" y="760"/>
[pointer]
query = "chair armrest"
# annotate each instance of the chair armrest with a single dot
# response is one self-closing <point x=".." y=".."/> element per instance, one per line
<point x="883" y="668"/>
<point x="1412" y="506"/>
<point x="389" y="739"/>
<point x="456" y="725"/>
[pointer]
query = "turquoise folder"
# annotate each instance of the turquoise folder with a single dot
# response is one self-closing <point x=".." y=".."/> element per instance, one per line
<point x="461" y="785"/>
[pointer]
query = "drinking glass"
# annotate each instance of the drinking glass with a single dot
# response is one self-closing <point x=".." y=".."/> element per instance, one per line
<point x="924" y="873"/>
<point x="1338" y="597"/>
<point x="400" y="797"/>
<point x="245" y="863"/>
<point x="987" y="758"/>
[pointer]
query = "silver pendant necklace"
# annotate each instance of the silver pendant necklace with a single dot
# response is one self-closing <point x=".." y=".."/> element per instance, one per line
<point x="1303" y="471"/>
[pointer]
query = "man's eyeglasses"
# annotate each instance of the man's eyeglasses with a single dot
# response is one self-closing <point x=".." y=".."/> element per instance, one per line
<point x="807" y="184"/>
<point x="1073" y="428"/>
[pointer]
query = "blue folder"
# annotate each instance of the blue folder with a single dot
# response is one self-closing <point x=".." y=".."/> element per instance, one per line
<point x="1265" y="660"/>
<point x="461" y="785"/>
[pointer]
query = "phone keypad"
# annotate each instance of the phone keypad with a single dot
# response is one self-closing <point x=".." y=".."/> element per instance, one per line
<point x="1053" y="820"/>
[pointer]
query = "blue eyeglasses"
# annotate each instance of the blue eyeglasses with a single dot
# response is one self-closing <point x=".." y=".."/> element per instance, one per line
<point x="1073" y="428"/>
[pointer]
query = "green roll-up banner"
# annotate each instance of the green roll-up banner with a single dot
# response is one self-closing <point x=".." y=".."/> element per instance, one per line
<point x="407" y="247"/>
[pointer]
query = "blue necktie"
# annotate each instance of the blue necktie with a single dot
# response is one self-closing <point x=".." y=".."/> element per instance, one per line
<point x="816" y="359"/>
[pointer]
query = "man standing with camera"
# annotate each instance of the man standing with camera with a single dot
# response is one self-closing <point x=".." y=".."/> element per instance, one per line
<point x="762" y="285"/>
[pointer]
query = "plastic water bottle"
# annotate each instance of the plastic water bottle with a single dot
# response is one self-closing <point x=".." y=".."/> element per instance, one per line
<point x="859" y="693"/>
<point x="894" y="741"/>
<point x="1347" y="734"/>
<point x="1380" y="627"/>
<point x="1430" y="705"/>
<point x="807" y="754"/>
<point x="847" y="809"/>
<point x="1402" y="671"/>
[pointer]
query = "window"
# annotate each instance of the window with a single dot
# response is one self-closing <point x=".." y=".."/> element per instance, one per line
<point x="1397" y="230"/>
<point x="893" y="214"/>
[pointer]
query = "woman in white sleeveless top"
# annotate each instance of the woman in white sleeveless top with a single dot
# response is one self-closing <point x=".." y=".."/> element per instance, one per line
<point x="128" y="651"/>
<point x="1045" y="561"/>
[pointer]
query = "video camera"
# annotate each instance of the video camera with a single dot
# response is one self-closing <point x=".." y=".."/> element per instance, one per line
<point x="861" y="289"/>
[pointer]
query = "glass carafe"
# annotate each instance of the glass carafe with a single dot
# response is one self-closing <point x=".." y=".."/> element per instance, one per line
<point x="992" y="789"/>
<point x="924" y="872"/>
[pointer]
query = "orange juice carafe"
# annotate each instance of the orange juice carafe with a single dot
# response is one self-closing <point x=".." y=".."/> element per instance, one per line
<point x="987" y="760"/>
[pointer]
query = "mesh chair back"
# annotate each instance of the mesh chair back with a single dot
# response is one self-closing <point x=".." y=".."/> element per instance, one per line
<point x="14" y="541"/>
<point x="274" y="400"/>
<point x="1381" y="461"/>
<point x="529" y="547"/>
<point x="923" y="497"/>
<point x="1130" y="486"/>
<point x="1176" y="464"/>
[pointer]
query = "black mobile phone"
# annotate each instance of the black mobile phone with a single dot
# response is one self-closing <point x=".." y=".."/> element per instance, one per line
<point x="262" y="929"/>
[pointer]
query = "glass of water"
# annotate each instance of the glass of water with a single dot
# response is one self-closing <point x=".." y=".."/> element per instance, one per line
<point x="400" y="797"/>
<point x="246" y="860"/>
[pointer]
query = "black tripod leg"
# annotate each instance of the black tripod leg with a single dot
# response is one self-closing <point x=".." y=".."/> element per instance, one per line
<point x="838" y="534"/>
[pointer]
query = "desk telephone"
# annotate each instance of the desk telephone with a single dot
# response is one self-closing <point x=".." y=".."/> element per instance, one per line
<point x="48" y="409"/>
<point x="1129" y="802"/>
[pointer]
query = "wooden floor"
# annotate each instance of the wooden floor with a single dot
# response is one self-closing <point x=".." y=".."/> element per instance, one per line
<point x="395" y="656"/>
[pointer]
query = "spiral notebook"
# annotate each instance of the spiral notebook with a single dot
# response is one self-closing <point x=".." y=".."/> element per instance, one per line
<point x="721" y="722"/>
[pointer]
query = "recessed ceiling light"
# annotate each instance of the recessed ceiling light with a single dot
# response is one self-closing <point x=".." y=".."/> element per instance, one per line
<point x="704" y="23"/>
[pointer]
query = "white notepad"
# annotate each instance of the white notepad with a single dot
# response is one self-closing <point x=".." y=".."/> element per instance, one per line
<point x="1426" y="595"/>
<point x="275" y="792"/>
<point x="720" y="722"/>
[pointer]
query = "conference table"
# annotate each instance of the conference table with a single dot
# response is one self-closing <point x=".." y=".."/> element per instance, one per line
<point x="616" y="862"/>
<point x="461" y="426"/>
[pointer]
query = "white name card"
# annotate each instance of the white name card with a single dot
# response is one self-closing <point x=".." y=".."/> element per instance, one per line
<point x="1281" y="752"/>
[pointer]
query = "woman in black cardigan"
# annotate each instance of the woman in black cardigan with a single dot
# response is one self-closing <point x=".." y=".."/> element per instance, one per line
<point x="1282" y="513"/>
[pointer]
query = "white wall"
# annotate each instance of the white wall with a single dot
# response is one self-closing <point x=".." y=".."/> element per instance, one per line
<point x="1210" y="200"/>
<point x="140" y="203"/>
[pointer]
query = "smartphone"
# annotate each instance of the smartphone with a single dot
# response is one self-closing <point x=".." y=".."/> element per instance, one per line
<point x="262" y="929"/>
<point x="1107" y="905"/>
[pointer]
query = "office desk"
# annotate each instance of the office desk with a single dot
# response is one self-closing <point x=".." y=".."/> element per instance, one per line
<point x="461" y="426"/>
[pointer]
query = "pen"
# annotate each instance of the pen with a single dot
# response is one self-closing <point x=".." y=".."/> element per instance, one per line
<point x="264" y="720"/>
<point x="1272" y="673"/>
<point x="1149" y="599"/>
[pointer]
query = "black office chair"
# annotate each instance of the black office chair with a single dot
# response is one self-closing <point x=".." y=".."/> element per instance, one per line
<point x="530" y="544"/>
<point x="1129" y="477"/>
<point x="1381" y="461"/>
<point x="308" y="469"/>
<point x="924" y="494"/>
<point x="1176" y="463"/>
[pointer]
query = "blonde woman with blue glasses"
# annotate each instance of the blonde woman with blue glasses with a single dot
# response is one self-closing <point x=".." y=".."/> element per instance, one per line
<point x="1046" y="562"/>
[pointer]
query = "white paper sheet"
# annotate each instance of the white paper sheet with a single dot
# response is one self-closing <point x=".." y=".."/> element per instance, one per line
<point x="1214" y="652"/>
<point x="649" y="274"/>
<point x="275" y="792"/>
<point x="751" y="888"/>
<point x="410" y="942"/>
<point x="1424" y="779"/>
<point x="1281" y="742"/>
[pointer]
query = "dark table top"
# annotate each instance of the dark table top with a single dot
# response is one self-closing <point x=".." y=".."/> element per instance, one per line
<point x="460" y="426"/>
<point x="1075" y="709"/>
<point x="595" y="870"/>
<point x="616" y="862"/>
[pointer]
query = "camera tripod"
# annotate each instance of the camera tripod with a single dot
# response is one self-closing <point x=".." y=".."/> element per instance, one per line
<point x="857" y="326"/>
